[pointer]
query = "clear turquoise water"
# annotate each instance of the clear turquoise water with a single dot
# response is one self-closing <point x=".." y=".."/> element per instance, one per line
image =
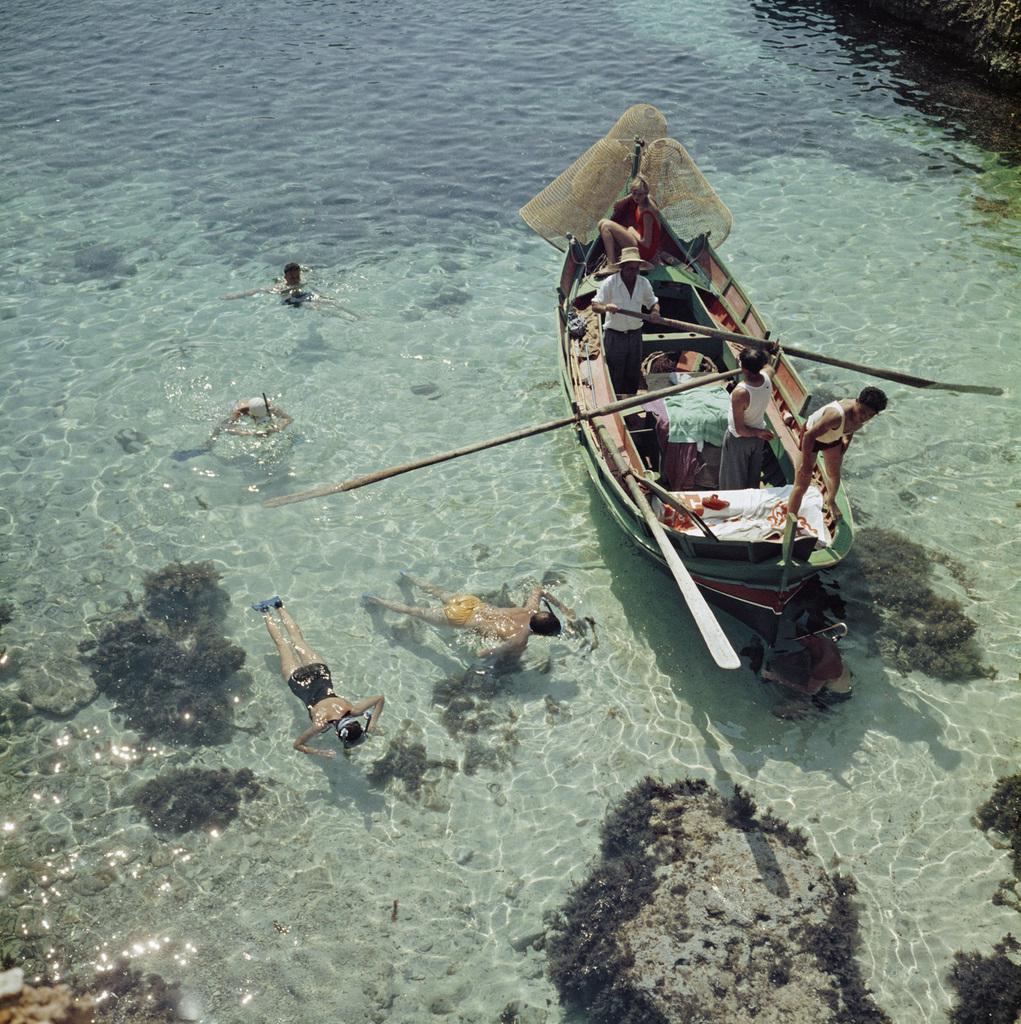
<point x="159" y="158"/>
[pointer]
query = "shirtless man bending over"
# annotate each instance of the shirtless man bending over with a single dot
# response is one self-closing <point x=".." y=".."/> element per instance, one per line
<point x="510" y="626"/>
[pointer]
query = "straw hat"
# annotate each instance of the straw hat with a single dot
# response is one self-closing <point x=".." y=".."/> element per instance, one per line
<point x="629" y="254"/>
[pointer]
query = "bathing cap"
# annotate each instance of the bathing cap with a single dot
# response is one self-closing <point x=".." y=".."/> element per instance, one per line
<point x="257" y="408"/>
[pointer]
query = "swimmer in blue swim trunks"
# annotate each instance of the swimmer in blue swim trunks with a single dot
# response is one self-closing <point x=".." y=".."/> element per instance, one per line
<point x="310" y="681"/>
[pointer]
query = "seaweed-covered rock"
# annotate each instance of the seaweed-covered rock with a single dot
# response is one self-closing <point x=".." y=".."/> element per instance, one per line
<point x="187" y="799"/>
<point x="116" y="993"/>
<point x="182" y="595"/>
<point x="1002" y="813"/>
<point x="407" y="761"/>
<point x="472" y="712"/>
<point x="987" y="33"/>
<point x="916" y="628"/>
<point x="701" y="909"/>
<point x="170" y="671"/>
<point x="988" y="987"/>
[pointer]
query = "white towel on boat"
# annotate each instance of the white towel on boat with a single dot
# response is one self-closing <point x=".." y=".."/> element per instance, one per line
<point x="761" y="514"/>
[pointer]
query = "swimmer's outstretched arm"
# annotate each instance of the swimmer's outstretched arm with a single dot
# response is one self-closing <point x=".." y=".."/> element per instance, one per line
<point x="539" y="593"/>
<point x="375" y="703"/>
<point x="569" y="612"/>
<point x="254" y="291"/>
<point x="302" y="740"/>
<point x="281" y="420"/>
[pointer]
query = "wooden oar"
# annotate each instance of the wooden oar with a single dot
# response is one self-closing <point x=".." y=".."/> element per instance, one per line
<point x="712" y="632"/>
<point x="815" y="357"/>
<point x="432" y="460"/>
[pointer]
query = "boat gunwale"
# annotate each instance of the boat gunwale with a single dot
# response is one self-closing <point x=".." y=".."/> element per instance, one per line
<point x="763" y="576"/>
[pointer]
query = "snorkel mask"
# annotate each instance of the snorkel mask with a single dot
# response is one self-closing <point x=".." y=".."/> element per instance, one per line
<point x="349" y="731"/>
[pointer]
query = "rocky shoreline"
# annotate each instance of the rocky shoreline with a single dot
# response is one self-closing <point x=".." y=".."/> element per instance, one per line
<point x="983" y="33"/>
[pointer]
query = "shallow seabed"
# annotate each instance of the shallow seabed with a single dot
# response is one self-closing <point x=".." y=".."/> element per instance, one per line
<point x="158" y="158"/>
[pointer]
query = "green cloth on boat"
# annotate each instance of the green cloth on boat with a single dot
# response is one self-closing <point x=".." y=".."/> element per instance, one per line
<point x="699" y="415"/>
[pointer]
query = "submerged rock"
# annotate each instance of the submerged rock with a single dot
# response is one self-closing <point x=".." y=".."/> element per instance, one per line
<point x="187" y="799"/>
<point x="476" y="710"/>
<point x="407" y="761"/>
<point x="42" y="1004"/>
<point x="170" y="671"/>
<point x="57" y="687"/>
<point x="891" y="578"/>
<point x="1002" y="813"/>
<point x="988" y="987"/>
<point x="702" y="910"/>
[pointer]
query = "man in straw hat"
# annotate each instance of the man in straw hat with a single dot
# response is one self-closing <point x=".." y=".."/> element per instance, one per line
<point x="622" y="335"/>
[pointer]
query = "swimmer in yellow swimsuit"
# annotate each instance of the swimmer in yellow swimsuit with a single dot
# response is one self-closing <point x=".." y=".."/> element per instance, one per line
<point x="510" y="626"/>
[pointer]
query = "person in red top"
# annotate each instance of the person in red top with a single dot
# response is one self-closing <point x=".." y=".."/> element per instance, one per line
<point x="635" y="222"/>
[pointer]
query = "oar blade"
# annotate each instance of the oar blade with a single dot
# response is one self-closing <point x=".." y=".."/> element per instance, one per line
<point x="189" y="453"/>
<point x="968" y="389"/>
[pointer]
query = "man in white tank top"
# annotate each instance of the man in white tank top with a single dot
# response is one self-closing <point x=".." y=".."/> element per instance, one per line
<point x="746" y="436"/>
<point x="829" y="431"/>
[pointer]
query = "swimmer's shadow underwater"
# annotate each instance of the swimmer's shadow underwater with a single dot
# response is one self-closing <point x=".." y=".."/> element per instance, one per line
<point x="269" y="454"/>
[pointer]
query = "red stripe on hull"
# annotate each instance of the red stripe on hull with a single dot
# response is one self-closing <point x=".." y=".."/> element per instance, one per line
<point x="770" y="600"/>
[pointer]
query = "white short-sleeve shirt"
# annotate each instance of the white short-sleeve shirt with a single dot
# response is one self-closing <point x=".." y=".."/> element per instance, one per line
<point x="613" y="289"/>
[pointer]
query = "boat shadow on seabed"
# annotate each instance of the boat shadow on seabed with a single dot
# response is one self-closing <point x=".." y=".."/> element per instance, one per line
<point x="720" y="706"/>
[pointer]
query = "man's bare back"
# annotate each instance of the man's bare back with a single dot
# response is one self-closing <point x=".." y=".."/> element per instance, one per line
<point x="511" y="626"/>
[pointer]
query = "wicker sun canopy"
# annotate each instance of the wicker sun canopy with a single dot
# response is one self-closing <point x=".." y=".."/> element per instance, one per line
<point x="574" y="203"/>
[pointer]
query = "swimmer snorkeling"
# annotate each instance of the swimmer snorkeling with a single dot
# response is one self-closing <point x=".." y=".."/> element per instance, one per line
<point x="512" y="627"/>
<point x="253" y="417"/>
<point x="310" y="681"/>
<point x="265" y="419"/>
<point x="813" y="669"/>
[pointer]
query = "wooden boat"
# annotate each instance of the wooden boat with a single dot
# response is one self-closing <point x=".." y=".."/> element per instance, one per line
<point x="750" y="579"/>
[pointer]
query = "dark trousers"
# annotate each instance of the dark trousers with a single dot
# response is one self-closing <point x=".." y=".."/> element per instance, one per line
<point x="741" y="462"/>
<point x="623" y="353"/>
